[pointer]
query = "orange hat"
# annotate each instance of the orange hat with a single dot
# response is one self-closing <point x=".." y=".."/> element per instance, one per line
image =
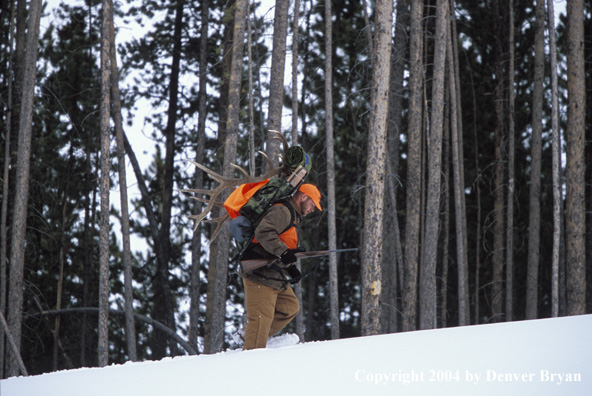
<point x="313" y="193"/>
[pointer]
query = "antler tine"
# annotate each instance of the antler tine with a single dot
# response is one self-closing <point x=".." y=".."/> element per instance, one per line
<point x="216" y="176"/>
<point x="199" y="218"/>
<point x="269" y="163"/>
<point x="240" y="168"/>
<point x="224" y="183"/>
<point x="281" y="137"/>
<point x="230" y="181"/>
<point x="197" y="191"/>
<point x="220" y="220"/>
<point x="219" y="204"/>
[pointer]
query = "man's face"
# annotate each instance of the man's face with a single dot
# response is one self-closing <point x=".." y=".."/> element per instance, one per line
<point x="306" y="205"/>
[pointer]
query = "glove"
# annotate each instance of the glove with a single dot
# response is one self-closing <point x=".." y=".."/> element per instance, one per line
<point x="288" y="257"/>
<point x="293" y="271"/>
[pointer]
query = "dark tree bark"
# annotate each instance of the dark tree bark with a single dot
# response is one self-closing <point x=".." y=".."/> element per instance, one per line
<point x="164" y="307"/>
<point x="6" y="184"/>
<point x="198" y="179"/>
<point x="427" y="287"/>
<point x="414" y="168"/>
<point x="534" y="223"/>
<point x="276" y="84"/>
<point x="217" y="274"/>
<point x="458" y="184"/>
<point x="103" y="347"/>
<point x="330" y="149"/>
<point x="295" y="48"/>
<point x="575" y="166"/>
<point x="500" y="141"/>
<point x="556" y="148"/>
<point x="19" y="225"/>
<point x="511" y="171"/>
<point x="375" y="174"/>
<point x="393" y="262"/>
<point x="130" y="326"/>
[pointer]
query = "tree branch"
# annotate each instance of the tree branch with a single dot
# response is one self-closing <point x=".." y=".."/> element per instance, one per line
<point x="13" y="346"/>
<point x="142" y="318"/>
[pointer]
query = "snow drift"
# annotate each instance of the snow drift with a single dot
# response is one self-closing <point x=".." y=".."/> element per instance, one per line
<point x="539" y="357"/>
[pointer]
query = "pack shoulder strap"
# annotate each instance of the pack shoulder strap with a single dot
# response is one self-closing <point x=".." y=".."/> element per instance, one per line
<point x="246" y="245"/>
<point x="292" y="214"/>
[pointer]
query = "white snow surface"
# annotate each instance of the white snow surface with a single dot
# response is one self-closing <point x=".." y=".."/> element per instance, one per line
<point x="537" y="357"/>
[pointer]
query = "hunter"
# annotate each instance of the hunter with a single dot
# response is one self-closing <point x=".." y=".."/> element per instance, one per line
<point x="270" y="302"/>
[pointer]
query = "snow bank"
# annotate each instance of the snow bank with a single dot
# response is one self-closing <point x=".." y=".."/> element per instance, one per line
<point x="540" y="357"/>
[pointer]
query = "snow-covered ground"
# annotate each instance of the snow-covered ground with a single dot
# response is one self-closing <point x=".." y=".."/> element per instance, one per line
<point x="539" y="357"/>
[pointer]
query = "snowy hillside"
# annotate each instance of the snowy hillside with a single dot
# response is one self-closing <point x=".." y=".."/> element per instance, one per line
<point x="541" y="357"/>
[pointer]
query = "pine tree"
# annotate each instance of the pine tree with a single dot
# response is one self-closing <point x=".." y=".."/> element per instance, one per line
<point x="427" y="288"/>
<point x="375" y="179"/>
<point x="414" y="169"/>
<point x="575" y="168"/>
<point x="17" y="257"/>
<point x="216" y="308"/>
<point x="534" y="224"/>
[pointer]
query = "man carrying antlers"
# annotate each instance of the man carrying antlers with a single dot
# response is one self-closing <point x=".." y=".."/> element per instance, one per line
<point x="269" y="300"/>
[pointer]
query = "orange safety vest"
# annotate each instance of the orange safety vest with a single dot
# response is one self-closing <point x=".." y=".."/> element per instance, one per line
<point x="289" y="237"/>
<point x="241" y="195"/>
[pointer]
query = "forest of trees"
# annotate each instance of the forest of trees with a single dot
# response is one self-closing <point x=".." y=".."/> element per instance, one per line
<point x="450" y="140"/>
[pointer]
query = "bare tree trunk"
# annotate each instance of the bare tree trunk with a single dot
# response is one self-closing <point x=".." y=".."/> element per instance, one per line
<point x="534" y="223"/>
<point x="12" y="344"/>
<point x="511" y="166"/>
<point x="556" y="148"/>
<point x="393" y="261"/>
<point x="5" y="185"/>
<point x="375" y="175"/>
<point x="146" y="201"/>
<point x="464" y="272"/>
<point x="311" y="287"/>
<point x="251" y="93"/>
<point x="498" y="227"/>
<point x="295" y="37"/>
<point x="477" y="186"/>
<point x="459" y="188"/>
<point x="562" y="264"/>
<point x="414" y="169"/>
<point x="195" y="282"/>
<point x="216" y="303"/>
<point x="88" y="245"/>
<point x="226" y="66"/>
<point x="442" y="279"/>
<point x="130" y="325"/>
<point x="427" y="287"/>
<point x="329" y="147"/>
<point x="61" y="263"/>
<point x="393" y="266"/>
<point x="103" y="347"/>
<point x="575" y="166"/>
<point x="18" y="80"/>
<point x="19" y="225"/>
<point x="164" y="307"/>
<point x="276" y="87"/>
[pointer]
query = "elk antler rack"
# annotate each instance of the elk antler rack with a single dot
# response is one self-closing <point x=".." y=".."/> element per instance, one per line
<point x="229" y="182"/>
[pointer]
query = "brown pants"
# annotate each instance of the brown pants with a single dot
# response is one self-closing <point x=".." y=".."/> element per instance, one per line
<point x="268" y="311"/>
